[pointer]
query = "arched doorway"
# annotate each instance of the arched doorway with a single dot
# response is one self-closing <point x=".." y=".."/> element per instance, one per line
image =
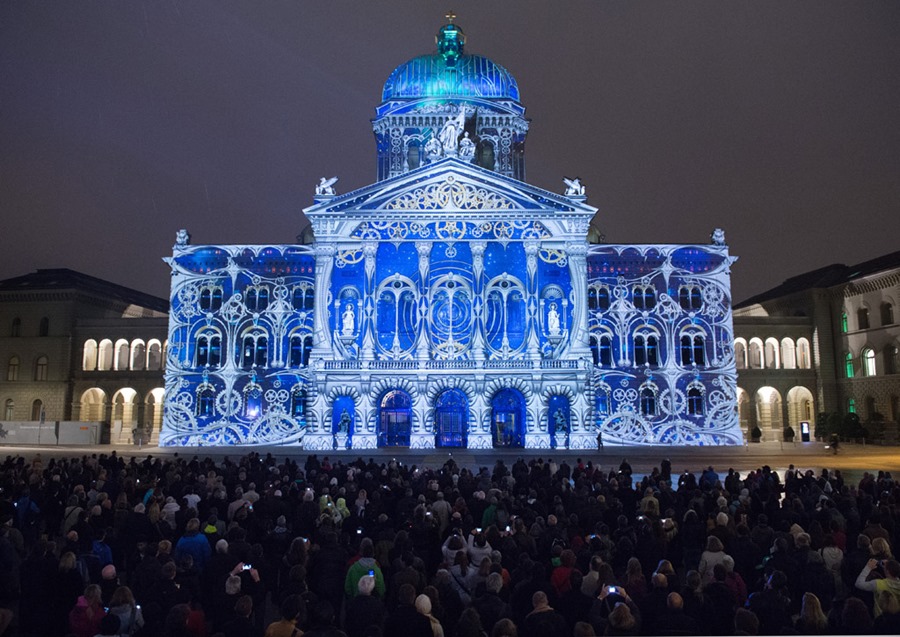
<point x="93" y="405"/>
<point x="800" y="406"/>
<point x="451" y="415"/>
<point x="559" y="420"/>
<point x="154" y="409"/>
<point x="508" y="418"/>
<point x="768" y="409"/>
<point x="394" y="419"/>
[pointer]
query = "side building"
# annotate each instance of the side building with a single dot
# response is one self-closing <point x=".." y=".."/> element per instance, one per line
<point x="81" y="349"/>
<point x="823" y="342"/>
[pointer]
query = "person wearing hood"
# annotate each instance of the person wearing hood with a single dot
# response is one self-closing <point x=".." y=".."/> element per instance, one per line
<point x="890" y="582"/>
<point x="85" y="617"/>
<point x="365" y="565"/>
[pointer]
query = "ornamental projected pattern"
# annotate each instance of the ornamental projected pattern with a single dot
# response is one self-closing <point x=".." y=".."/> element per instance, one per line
<point x="664" y="368"/>
<point x="450" y="304"/>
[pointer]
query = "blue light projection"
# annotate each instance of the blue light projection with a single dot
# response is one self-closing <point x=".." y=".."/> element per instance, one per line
<point x="450" y="304"/>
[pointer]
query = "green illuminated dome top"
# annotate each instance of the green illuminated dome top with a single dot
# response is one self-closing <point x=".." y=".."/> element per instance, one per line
<point x="450" y="73"/>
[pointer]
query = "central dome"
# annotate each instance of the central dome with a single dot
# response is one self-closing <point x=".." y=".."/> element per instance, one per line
<point x="450" y="73"/>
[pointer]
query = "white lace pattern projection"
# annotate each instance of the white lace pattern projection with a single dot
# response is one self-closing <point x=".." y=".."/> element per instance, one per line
<point x="450" y="194"/>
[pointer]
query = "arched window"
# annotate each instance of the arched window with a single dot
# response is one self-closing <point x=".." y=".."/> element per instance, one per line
<point x="211" y="299"/>
<point x="862" y="318"/>
<point x="298" y="402"/>
<point x="603" y="400"/>
<point x="695" y="402"/>
<point x="508" y="418"/>
<point x="690" y="298"/>
<point x="44" y="329"/>
<point x="648" y="402"/>
<point x="206" y="400"/>
<point x="598" y="297"/>
<point x="301" y="346"/>
<point x="844" y="323"/>
<point x="771" y="349"/>
<point x="693" y="351"/>
<point x="154" y="355"/>
<point x="12" y="369"/>
<point x="868" y="362"/>
<point x="605" y="350"/>
<point x="412" y="156"/>
<point x="302" y="297"/>
<point x="138" y="355"/>
<point x="209" y="350"/>
<point x="253" y="395"/>
<point x="16" y="327"/>
<point x="603" y="298"/>
<point x="756" y="354"/>
<point x="887" y="314"/>
<point x="891" y="359"/>
<point x="646" y="349"/>
<point x="848" y="364"/>
<point x="105" y="357"/>
<point x="254" y="350"/>
<point x="644" y="297"/>
<point x="122" y="355"/>
<point x="9" y="409"/>
<point x="851" y="406"/>
<point x="89" y="356"/>
<point x="740" y="354"/>
<point x="257" y="298"/>
<point x="37" y="410"/>
<point x="41" y="368"/>
<point x="788" y="354"/>
<point x="803" y="358"/>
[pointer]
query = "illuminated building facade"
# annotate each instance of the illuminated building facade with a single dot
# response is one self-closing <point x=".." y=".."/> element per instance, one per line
<point x="450" y="304"/>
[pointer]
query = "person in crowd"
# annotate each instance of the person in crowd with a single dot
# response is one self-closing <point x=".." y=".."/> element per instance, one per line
<point x="365" y="609"/>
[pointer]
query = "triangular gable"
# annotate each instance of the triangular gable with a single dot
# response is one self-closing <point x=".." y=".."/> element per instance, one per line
<point x="449" y="185"/>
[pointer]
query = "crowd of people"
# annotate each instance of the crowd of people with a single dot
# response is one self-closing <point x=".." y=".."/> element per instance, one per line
<point x="102" y="545"/>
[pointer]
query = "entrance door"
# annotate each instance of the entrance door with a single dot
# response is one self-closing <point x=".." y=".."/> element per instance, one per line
<point x="451" y="409"/>
<point x="558" y="419"/>
<point x="508" y="418"/>
<point x="395" y="419"/>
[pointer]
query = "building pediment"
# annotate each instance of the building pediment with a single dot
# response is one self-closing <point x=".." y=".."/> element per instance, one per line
<point x="449" y="186"/>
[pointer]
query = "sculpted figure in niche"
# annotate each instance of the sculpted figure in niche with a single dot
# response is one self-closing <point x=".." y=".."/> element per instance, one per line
<point x="348" y="320"/>
<point x="553" y="319"/>
<point x="344" y="422"/>
<point x="559" y="418"/>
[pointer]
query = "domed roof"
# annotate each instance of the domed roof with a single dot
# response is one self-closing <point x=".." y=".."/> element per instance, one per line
<point x="450" y="73"/>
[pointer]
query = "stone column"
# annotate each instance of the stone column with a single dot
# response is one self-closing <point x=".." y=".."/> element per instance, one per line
<point x="532" y="314"/>
<point x="423" y="341"/>
<point x="576" y="252"/>
<point x="321" y="329"/>
<point x="367" y="310"/>
<point x="478" y="248"/>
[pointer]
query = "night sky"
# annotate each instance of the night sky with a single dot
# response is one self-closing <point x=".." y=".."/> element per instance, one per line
<point x="121" y="122"/>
